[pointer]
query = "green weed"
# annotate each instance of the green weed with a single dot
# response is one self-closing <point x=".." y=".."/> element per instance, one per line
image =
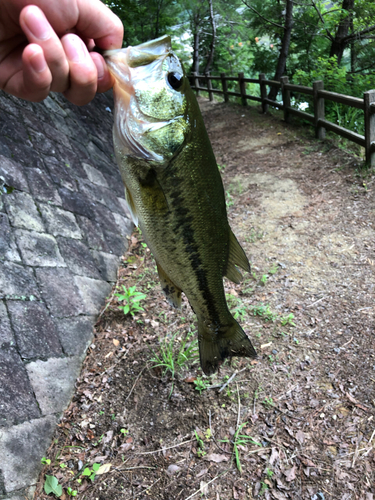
<point x="201" y="384"/>
<point x="263" y="310"/>
<point x="240" y="440"/>
<point x="287" y="320"/>
<point x="51" y="485"/>
<point x="201" y="448"/>
<point x="229" y="200"/>
<point x="131" y="298"/>
<point x="174" y="355"/>
<point x="71" y="492"/>
<point x="90" y="473"/>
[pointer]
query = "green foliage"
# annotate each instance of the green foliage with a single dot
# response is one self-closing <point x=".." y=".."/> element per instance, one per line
<point x="337" y="79"/>
<point x="71" y="492"/>
<point x="200" y="443"/>
<point x="287" y="320"/>
<point x="240" y="440"/>
<point x="45" y="461"/>
<point x="51" y="485"/>
<point x="201" y="384"/>
<point x="90" y="473"/>
<point x="131" y="298"/>
<point x="263" y="310"/>
<point x="174" y="355"/>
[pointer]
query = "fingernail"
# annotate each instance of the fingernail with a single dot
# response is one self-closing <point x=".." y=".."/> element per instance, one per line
<point x="75" y="48"/>
<point x="37" y="23"/>
<point x="99" y="63"/>
<point x="38" y="62"/>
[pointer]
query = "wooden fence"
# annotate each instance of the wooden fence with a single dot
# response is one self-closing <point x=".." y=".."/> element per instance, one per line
<point x="367" y="104"/>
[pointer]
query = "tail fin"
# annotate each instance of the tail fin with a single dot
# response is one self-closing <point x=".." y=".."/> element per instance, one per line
<point x="230" y="341"/>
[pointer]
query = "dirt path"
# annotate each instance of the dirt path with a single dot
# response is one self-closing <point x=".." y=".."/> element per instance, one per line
<point x="297" y="423"/>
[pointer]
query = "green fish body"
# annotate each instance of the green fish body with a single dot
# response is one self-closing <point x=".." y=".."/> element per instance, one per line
<point x="175" y="192"/>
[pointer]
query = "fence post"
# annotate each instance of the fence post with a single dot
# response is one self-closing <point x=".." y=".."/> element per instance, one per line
<point x="263" y="92"/>
<point x="286" y="98"/>
<point x="224" y="84"/>
<point x="209" y="86"/>
<point x="369" y="98"/>
<point x="196" y="82"/>
<point x="320" y="131"/>
<point x="242" y="88"/>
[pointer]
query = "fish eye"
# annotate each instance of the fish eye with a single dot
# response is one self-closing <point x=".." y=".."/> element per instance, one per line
<point x="175" y="80"/>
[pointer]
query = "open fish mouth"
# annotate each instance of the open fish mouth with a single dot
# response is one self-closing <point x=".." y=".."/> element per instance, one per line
<point x="131" y="68"/>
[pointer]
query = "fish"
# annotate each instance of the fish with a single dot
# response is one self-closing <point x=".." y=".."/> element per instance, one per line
<point x="175" y="192"/>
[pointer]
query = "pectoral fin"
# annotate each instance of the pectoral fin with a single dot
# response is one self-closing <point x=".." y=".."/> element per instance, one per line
<point x="237" y="257"/>
<point x="132" y="209"/>
<point x="171" y="291"/>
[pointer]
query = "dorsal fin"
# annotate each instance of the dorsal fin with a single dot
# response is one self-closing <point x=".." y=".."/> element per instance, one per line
<point x="171" y="291"/>
<point x="237" y="257"/>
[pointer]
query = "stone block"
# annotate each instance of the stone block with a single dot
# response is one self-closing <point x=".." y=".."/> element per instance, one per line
<point x="59" y="173"/>
<point x="93" y="234"/>
<point x="13" y="174"/>
<point x="25" y="154"/>
<point x="97" y="153"/>
<point x="59" y="292"/>
<point x="38" y="249"/>
<point x="17" y="282"/>
<point x="100" y="194"/>
<point x="17" y="401"/>
<point x="115" y="184"/>
<point x="75" y="334"/>
<point x="125" y="207"/>
<point x="22" y="494"/>
<point x="117" y="244"/>
<point x="56" y="135"/>
<point x="8" y="248"/>
<point x="41" y="143"/>
<point x="124" y="224"/>
<point x="73" y="159"/>
<point x="4" y="148"/>
<point x="93" y="293"/>
<point x="23" y="212"/>
<point x="34" y="330"/>
<point x="42" y="187"/>
<point x="60" y="222"/>
<point x="105" y="218"/>
<point x="21" y="449"/>
<point x="77" y="202"/>
<point x="53" y="106"/>
<point x="94" y="175"/>
<point x="6" y="334"/>
<point x="12" y="127"/>
<point x="53" y="382"/>
<point x="78" y="257"/>
<point x="108" y="265"/>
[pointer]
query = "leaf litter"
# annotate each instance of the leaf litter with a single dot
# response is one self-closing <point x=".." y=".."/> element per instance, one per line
<point x="298" y="422"/>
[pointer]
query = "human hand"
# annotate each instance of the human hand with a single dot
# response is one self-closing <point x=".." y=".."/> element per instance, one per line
<point x="45" y="47"/>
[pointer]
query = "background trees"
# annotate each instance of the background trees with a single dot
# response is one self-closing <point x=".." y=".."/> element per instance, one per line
<point x="304" y="39"/>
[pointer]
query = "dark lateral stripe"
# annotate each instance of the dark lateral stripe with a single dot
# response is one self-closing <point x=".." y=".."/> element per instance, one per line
<point x="183" y="224"/>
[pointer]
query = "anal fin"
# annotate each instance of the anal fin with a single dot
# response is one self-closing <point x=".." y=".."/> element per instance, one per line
<point x="171" y="291"/>
<point x="237" y="257"/>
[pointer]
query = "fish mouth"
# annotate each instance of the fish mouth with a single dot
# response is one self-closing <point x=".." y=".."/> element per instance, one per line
<point x="128" y="66"/>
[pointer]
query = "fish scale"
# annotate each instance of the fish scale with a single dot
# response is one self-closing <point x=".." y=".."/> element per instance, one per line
<point x="175" y="192"/>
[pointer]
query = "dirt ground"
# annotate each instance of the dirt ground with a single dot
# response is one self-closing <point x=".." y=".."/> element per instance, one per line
<point x="297" y="422"/>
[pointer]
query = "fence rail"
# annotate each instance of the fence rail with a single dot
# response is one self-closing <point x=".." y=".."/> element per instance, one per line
<point x="367" y="104"/>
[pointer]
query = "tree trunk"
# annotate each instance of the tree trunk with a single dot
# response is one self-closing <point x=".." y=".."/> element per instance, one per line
<point x="213" y="41"/>
<point x="284" y="51"/>
<point x="339" y="43"/>
<point x="196" y="52"/>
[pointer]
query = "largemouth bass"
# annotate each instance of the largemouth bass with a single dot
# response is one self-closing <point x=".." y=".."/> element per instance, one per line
<point x="175" y="192"/>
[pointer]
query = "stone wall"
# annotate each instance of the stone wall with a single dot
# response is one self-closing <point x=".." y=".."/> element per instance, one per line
<point x="63" y="228"/>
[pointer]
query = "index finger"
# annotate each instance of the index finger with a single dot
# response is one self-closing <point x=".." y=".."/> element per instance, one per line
<point x="98" y="22"/>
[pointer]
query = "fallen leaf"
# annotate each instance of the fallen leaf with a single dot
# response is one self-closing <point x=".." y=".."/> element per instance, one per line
<point x="190" y="380"/>
<point x="216" y="457"/>
<point x="116" y="342"/>
<point x="203" y="486"/>
<point x="172" y="469"/>
<point x="108" y="437"/>
<point x="274" y="456"/>
<point x="300" y="436"/>
<point x="125" y="447"/>
<point x="202" y="473"/>
<point x="290" y="474"/>
<point x="263" y="346"/>
<point x="103" y="469"/>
